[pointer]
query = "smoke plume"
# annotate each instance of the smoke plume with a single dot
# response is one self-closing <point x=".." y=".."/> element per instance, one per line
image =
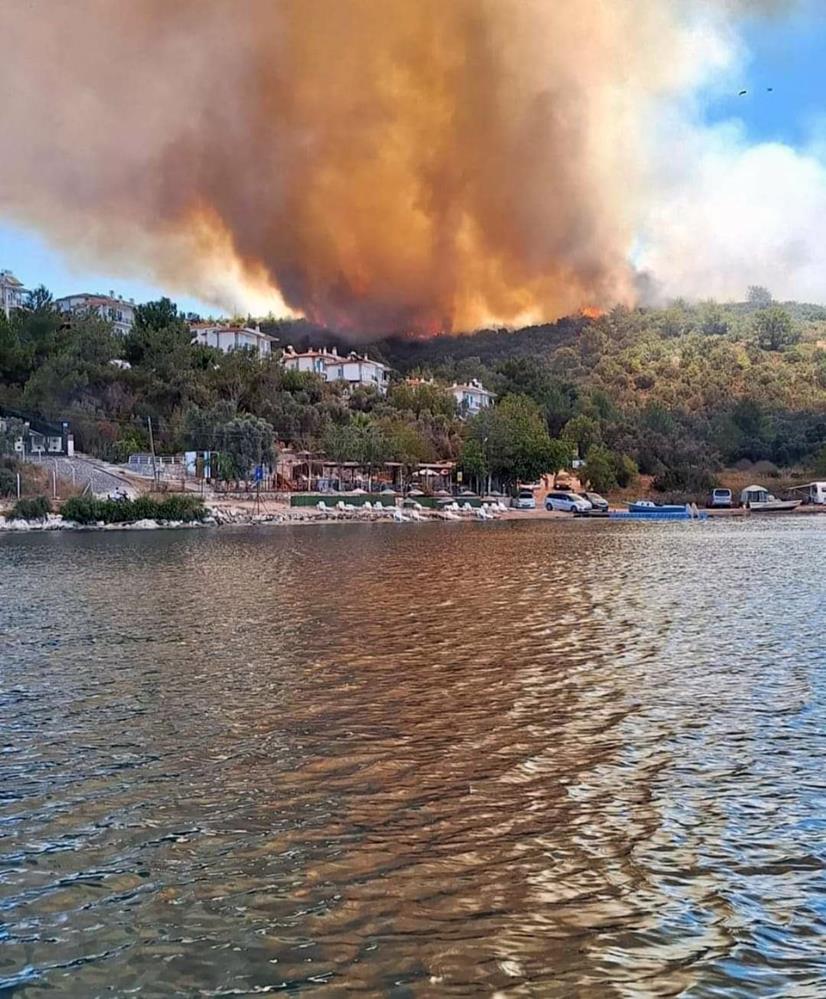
<point x="376" y="165"/>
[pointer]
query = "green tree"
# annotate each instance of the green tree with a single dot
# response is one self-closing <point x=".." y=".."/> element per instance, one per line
<point x="819" y="463"/>
<point x="247" y="441"/>
<point x="774" y="328"/>
<point x="473" y="462"/>
<point x="40" y="299"/>
<point x="515" y="439"/>
<point x="561" y="455"/>
<point x="583" y="432"/>
<point x="625" y="470"/>
<point x="29" y="338"/>
<point x="361" y="440"/>
<point x="76" y="371"/>
<point x="528" y="376"/>
<point x="339" y="442"/>
<point x="373" y="447"/>
<point x="406" y="442"/>
<point x="713" y="321"/>
<point x="600" y="468"/>
<point x="163" y="349"/>
<point x="158" y="315"/>
<point x="421" y="398"/>
<point x="759" y="297"/>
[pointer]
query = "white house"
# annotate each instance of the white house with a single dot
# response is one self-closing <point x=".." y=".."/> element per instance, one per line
<point x="118" y="311"/>
<point x="472" y="397"/>
<point x="227" y="338"/>
<point x="12" y="292"/>
<point x="355" y="369"/>
<point x="314" y="361"/>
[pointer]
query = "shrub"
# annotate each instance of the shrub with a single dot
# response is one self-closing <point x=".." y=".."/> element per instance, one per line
<point x="31" y="509"/>
<point x="178" y="507"/>
<point x="685" y="480"/>
<point x="600" y="469"/>
<point x="766" y="468"/>
<point x="81" y="509"/>
<point x="88" y="510"/>
<point x="625" y="470"/>
<point x="819" y="462"/>
<point x="775" y="329"/>
<point x="8" y="482"/>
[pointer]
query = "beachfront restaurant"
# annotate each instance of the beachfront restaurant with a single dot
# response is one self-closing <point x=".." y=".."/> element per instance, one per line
<point x="306" y="471"/>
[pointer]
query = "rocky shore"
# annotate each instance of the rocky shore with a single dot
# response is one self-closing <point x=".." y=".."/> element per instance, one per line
<point x="227" y="515"/>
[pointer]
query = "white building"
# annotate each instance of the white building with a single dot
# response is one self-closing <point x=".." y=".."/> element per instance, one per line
<point x="472" y="397"/>
<point x="118" y="311"/>
<point x="227" y="338"/>
<point x="357" y="370"/>
<point x="12" y="292"/>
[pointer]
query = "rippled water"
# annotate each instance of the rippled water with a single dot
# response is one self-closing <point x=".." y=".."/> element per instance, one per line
<point x="518" y="759"/>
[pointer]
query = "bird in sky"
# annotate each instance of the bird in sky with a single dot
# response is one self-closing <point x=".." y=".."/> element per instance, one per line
<point x="742" y="92"/>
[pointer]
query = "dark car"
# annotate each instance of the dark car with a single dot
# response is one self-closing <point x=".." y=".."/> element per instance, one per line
<point x="596" y="501"/>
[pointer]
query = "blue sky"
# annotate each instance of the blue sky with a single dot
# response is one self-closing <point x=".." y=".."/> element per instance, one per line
<point x="787" y="52"/>
<point x="32" y="260"/>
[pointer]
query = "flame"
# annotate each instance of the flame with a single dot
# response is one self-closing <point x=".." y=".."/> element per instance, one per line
<point x="592" y="312"/>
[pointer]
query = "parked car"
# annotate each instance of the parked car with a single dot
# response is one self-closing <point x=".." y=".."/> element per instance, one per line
<point x="719" y="498"/>
<point x="596" y="501"/>
<point x="525" y="500"/>
<point x="567" y="502"/>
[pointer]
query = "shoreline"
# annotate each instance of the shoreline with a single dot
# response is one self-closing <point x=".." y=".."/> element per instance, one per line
<point x="235" y="515"/>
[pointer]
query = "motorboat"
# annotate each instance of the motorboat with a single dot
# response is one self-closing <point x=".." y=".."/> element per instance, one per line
<point x="759" y="500"/>
<point x="649" y="508"/>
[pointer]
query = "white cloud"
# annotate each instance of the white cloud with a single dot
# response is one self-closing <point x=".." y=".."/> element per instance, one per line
<point x="723" y="212"/>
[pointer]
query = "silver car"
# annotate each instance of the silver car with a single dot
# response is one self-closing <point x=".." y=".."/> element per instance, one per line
<point x="566" y="502"/>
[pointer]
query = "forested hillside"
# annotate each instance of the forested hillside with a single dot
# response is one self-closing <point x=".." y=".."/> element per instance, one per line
<point x="684" y="390"/>
<point x="722" y="382"/>
<point x="677" y="393"/>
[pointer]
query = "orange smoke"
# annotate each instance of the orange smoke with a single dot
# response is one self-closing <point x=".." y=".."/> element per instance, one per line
<point x="377" y="165"/>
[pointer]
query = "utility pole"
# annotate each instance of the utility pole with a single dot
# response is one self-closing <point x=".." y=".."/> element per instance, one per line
<point x="152" y="450"/>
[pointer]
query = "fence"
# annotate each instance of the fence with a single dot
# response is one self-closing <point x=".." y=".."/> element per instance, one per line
<point x="25" y="478"/>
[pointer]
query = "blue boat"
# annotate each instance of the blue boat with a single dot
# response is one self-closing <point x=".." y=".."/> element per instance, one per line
<point x="646" y="510"/>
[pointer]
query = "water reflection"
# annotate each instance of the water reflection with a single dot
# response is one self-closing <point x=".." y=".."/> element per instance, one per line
<point x="523" y="759"/>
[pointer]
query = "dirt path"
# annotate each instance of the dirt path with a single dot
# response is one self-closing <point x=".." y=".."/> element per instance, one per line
<point x="90" y="474"/>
